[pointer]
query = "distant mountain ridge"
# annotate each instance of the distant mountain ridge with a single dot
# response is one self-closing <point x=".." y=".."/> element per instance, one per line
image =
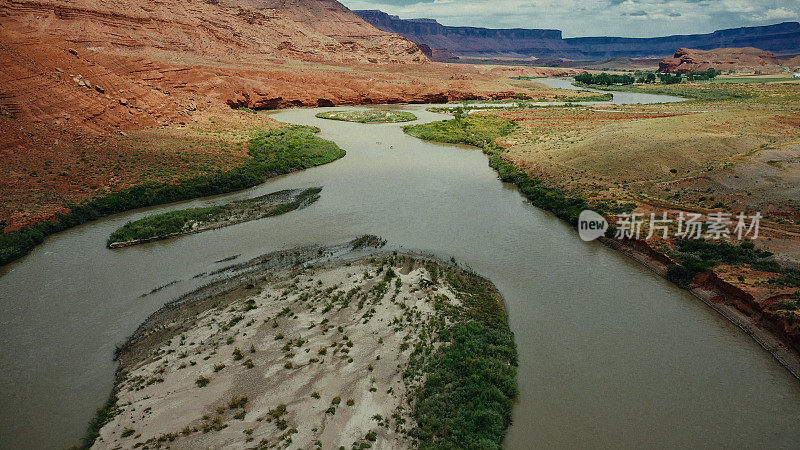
<point x="781" y="39"/>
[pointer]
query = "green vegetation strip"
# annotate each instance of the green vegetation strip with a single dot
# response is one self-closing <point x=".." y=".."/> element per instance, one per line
<point x="185" y="221"/>
<point x="369" y="116"/>
<point x="272" y="153"/>
<point x="470" y="380"/>
<point x="481" y="131"/>
<point x="703" y="92"/>
<point x="693" y="256"/>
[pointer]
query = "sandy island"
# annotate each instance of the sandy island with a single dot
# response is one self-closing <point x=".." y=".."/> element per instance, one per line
<point x="306" y="348"/>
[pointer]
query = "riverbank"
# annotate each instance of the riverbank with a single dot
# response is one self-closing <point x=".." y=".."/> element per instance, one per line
<point x="775" y="330"/>
<point x="270" y="153"/>
<point x="731" y="302"/>
<point x="323" y="346"/>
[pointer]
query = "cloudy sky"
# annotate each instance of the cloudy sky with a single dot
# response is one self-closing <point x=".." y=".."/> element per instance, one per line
<point x="635" y="18"/>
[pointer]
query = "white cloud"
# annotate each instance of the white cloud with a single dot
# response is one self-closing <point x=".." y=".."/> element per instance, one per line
<point x="635" y="18"/>
<point x="779" y="13"/>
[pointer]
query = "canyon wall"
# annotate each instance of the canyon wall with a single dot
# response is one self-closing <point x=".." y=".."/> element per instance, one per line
<point x="783" y="38"/>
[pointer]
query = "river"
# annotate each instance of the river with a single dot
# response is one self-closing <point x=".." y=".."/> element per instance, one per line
<point x="611" y="355"/>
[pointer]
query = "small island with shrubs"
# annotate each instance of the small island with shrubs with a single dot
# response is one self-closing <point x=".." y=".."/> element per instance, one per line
<point x="195" y="220"/>
<point x="320" y="347"/>
<point x="369" y="116"/>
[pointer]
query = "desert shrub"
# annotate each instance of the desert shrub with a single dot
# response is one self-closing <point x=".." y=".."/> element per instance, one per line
<point x="695" y="256"/>
<point x="790" y="277"/>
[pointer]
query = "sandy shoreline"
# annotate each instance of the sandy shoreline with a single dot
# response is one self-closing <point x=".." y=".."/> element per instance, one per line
<point x="310" y="347"/>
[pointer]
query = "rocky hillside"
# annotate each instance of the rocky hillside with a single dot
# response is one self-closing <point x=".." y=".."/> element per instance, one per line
<point x="135" y="64"/>
<point x="793" y="63"/>
<point x="783" y="38"/>
<point x="308" y="30"/>
<point x="748" y="60"/>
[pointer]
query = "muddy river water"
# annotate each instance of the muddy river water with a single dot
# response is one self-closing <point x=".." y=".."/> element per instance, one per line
<point x="610" y="353"/>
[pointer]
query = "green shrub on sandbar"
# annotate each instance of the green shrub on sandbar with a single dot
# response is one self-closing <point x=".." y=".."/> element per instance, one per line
<point x="470" y="381"/>
<point x="272" y="153"/>
<point x="475" y="130"/>
<point x="369" y="116"/>
<point x="181" y="221"/>
<point x="164" y="224"/>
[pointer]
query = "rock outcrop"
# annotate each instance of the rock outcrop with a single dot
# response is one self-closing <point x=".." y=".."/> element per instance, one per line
<point x="748" y="60"/>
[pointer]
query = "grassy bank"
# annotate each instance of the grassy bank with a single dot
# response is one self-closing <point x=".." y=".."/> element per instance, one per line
<point x="271" y="153"/>
<point x="481" y="131"/>
<point x="175" y="223"/>
<point x="369" y="116"/>
<point x="692" y="256"/>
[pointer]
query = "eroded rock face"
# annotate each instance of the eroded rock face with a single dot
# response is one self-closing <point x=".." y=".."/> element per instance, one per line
<point x="102" y="66"/>
<point x="747" y="59"/>
<point x="316" y="29"/>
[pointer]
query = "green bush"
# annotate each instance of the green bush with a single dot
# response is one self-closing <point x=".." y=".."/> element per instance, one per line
<point x="174" y="222"/>
<point x="695" y="256"/>
<point x="470" y="381"/>
<point x="272" y="153"/>
<point x="603" y="79"/>
<point x="790" y="277"/>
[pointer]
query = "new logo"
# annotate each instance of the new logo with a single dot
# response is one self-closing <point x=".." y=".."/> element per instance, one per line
<point x="591" y="225"/>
